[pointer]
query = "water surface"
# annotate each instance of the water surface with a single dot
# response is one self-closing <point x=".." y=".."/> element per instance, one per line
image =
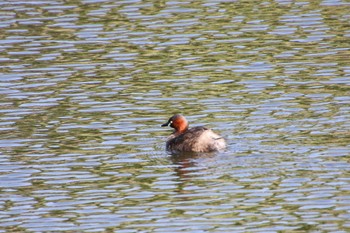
<point x="85" y="85"/>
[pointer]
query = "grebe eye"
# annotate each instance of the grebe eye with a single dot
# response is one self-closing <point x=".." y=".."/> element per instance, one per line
<point x="170" y="122"/>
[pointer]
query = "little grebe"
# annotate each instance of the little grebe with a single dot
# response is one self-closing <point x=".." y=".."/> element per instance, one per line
<point x="196" y="139"/>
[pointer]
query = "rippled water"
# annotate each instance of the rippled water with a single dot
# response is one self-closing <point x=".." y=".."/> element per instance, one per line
<point x="85" y="85"/>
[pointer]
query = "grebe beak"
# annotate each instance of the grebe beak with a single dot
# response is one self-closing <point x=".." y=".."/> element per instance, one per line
<point x="166" y="124"/>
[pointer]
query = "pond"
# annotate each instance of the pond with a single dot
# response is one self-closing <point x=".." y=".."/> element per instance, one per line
<point x="85" y="86"/>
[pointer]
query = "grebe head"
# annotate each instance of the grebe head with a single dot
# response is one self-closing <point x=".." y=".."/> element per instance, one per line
<point x="178" y="122"/>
